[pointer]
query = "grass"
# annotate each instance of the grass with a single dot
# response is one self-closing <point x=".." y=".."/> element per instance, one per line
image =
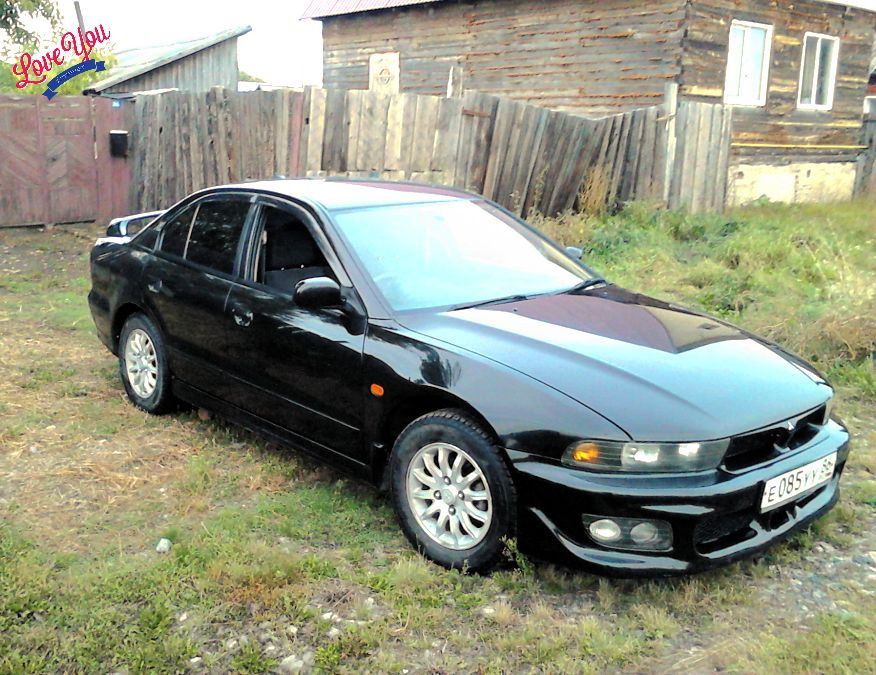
<point x="274" y="556"/>
<point x="804" y="276"/>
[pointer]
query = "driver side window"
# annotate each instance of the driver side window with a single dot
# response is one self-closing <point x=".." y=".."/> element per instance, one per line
<point x="287" y="252"/>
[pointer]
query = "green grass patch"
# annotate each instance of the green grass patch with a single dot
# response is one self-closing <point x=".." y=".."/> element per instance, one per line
<point x="803" y="275"/>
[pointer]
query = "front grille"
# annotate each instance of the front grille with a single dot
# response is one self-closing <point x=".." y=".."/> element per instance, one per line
<point x="761" y="446"/>
<point x="720" y="530"/>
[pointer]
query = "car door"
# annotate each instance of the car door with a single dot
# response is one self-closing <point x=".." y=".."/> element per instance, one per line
<point x="187" y="283"/>
<point x="300" y="368"/>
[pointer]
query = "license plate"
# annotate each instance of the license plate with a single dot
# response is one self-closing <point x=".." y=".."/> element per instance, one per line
<point x="784" y="488"/>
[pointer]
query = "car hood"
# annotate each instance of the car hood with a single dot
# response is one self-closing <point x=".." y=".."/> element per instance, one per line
<point x="658" y="371"/>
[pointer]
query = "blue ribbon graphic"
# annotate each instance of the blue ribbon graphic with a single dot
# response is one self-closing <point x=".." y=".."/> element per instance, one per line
<point x="71" y="72"/>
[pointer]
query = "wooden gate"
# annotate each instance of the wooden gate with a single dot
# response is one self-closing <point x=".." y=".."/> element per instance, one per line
<point x="54" y="161"/>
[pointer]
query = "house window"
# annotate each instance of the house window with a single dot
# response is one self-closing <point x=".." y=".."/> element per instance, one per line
<point x="748" y="63"/>
<point x="818" y="72"/>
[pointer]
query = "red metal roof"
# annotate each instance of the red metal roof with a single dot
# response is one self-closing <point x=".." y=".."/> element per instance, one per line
<point x="318" y="9"/>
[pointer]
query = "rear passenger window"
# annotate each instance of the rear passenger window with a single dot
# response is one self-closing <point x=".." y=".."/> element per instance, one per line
<point x="216" y="234"/>
<point x="175" y="232"/>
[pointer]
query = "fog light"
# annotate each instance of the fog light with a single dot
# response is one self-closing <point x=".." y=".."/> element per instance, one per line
<point x="605" y="530"/>
<point x="632" y="534"/>
<point x="644" y="533"/>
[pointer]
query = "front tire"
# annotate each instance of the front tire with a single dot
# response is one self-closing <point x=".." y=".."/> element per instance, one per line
<point x="452" y="491"/>
<point x="143" y="365"/>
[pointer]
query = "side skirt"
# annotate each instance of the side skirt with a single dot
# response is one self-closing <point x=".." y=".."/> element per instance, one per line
<point x="276" y="433"/>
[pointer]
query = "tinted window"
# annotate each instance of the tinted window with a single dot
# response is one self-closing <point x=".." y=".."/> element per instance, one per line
<point x="216" y="234"/>
<point x="176" y="232"/>
<point x="147" y="237"/>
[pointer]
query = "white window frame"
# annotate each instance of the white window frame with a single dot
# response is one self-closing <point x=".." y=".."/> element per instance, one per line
<point x="760" y="101"/>
<point x="833" y="70"/>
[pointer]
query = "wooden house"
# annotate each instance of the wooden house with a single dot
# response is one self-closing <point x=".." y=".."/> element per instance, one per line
<point x="192" y="65"/>
<point x="795" y="71"/>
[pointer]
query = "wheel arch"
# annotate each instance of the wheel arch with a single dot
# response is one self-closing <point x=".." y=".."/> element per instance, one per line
<point x="406" y="410"/>
<point x="122" y="314"/>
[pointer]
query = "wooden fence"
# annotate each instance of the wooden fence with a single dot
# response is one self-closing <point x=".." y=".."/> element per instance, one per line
<point x="522" y="156"/>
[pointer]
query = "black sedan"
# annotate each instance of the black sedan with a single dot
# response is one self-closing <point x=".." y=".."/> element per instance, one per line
<point x="429" y="341"/>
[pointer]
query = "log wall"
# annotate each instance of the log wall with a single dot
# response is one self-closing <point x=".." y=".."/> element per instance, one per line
<point x="584" y="57"/>
<point x="779" y="133"/>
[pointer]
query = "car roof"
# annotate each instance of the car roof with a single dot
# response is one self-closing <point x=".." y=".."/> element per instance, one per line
<point x="337" y="194"/>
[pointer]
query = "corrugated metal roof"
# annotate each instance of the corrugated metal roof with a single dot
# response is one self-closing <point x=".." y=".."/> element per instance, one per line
<point x="135" y="62"/>
<point x="318" y="9"/>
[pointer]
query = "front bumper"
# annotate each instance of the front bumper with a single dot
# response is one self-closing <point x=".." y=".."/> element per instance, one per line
<point x="715" y="516"/>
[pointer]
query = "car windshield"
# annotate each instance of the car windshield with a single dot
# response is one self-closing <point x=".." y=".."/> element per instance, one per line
<point x="453" y="253"/>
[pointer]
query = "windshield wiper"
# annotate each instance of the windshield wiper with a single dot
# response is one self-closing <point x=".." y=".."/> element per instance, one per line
<point x="584" y="285"/>
<point x="494" y="301"/>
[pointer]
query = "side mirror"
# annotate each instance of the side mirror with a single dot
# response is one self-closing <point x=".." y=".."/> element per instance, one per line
<point x="318" y="293"/>
<point x="575" y="252"/>
<point x="117" y="228"/>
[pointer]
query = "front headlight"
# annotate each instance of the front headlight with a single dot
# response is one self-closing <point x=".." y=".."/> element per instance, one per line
<point x="645" y="457"/>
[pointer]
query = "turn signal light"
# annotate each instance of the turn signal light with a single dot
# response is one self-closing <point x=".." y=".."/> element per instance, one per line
<point x="585" y="452"/>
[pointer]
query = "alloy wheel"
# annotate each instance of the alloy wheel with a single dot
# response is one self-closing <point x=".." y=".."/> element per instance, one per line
<point x="449" y="496"/>
<point x="141" y="363"/>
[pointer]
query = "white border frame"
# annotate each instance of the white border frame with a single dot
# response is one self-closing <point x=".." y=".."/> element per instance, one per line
<point x="760" y="102"/>
<point x="834" y="66"/>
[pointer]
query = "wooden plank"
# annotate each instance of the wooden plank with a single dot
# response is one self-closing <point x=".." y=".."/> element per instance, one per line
<point x="669" y="147"/>
<point x="524" y="178"/>
<point x="424" y="133"/>
<point x="297" y="147"/>
<point x="565" y="183"/>
<point x="518" y="129"/>
<point x="498" y="153"/>
<point x="631" y="158"/>
<point x="713" y="169"/>
<point x="677" y="170"/>
<point x="372" y="132"/>
<point x="585" y="161"/>
<point x="554" y="192"/>
<point x="644" y="180"/>
<point x="353" y="114"/>
<point x="544" y="156"/>
<point x="618" y="157"/>
<point x="723" y="162"/>
<point x="393" y="160"/>
<point x="691" y="133"/>
<point x="485" y="128"/>
<point x="334" y="150"/>
<point x="702" y="174"/>
<point x="408" y="124"/>
<point x="447" y="135"/>
<point x="198" y="140"/>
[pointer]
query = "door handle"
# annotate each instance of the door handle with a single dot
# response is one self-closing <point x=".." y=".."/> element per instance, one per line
<point x="242" y="317"/>
<point x="154" y="286"/>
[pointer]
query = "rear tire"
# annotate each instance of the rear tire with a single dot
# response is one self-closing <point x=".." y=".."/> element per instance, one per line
<point x="452" y="491"/>
<point x="143" y="365"/>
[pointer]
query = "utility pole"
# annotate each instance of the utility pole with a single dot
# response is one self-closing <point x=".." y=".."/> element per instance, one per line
<point x="79" y="18"/>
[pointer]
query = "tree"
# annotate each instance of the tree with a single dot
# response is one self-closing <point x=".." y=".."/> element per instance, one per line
<point x="14" y="15"/>
<point x="244" y="76"/>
